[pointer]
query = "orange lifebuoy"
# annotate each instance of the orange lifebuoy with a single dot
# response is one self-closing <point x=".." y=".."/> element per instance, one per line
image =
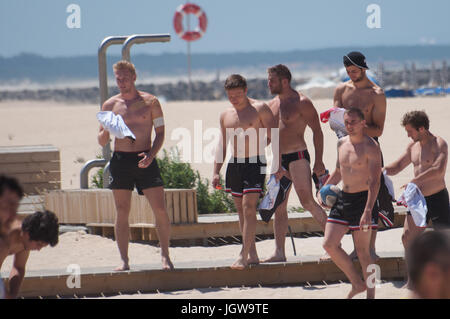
<point x="190" y="8"/>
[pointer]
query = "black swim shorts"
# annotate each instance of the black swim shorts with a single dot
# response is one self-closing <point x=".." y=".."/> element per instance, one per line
<point x="349" y="208"/>
<point x="286" y="159"/>
<point x="438" y="209"/>
<point x="245" y="175"/>
<point x="125" y="173"/>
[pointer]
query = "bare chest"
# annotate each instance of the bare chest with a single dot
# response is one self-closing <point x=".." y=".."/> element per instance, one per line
<point x="246" y="119"/>
<point x="134" y="114"/>
<point x="289" y="114"/>
<point x="353" y="157"/>
<point x="361" y="99"/>
<point x="423" y="157"/>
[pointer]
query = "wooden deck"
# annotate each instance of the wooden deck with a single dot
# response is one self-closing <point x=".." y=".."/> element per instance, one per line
<point x="223" y="225"/>
<point x="193" y="275"/>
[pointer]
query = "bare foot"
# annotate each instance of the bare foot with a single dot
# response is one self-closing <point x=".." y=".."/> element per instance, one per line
<point x="166" y="263"/>
<point x="275" y="258"/>
<point x="356" y="290"/>
<point x="239" y="264"/>
<point x="124" y="267"/>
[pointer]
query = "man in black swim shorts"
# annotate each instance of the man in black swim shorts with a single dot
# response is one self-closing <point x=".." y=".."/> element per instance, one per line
<point x="429" y="154"/>
<point x="134" y="161"/>
<point x="294" y="112"/>
<point x="358" y="165"/>
<point x="242" y="124"/>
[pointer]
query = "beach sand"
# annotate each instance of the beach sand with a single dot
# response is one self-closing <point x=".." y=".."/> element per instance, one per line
<point x="73" y="129"/>
<point x="89" y="251"/>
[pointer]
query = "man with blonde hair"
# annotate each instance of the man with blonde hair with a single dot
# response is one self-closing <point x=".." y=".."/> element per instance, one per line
<point x="133" y="163"/>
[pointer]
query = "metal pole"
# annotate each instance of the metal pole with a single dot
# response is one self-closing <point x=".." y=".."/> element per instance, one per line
<point x="103" y="79"/>
<point x="141" y="38"/>
<point x="444" y="77"/>
<point x="103" y="86"/>
<point x="189" y="58"/>
<point x="292" y="239"/>
<point x="189" y="70"/>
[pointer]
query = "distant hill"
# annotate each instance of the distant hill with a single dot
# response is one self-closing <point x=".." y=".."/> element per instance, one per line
<point x="37" y="68"/>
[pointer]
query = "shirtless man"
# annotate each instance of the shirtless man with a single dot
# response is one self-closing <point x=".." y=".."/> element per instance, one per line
<point x="359" y="166"/>
<point x="246" y="170"/>
<point x="428" y="153"/>
<point x="365" y="95"/>
<point x="10" y="195"/>
<point x="294" y="112"/>
<point x="134" y="162"/>
<point x="36" y="232"/>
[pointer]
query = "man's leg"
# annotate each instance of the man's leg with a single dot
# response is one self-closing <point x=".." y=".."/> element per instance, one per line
<point x="332" y="245"/>
<point x="280" y="228"/>
<point x="240" y="211"/>
<point x="249" y="202"/>
<point x="373" y="238"/>
<point x="301" y="178"/>
<point x="361" y="241"/>
<point x="410" y="231"/>
<point x="122" y="199"/>
<point x="155" y="197"/>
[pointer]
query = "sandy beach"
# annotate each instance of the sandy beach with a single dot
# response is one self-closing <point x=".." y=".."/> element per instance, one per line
<point x="72" y="128"/>
<point x="89" y="251"/>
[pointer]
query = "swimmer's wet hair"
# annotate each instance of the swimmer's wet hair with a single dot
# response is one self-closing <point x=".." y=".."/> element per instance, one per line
<point x="281" y="71"/>
<point x="428" y="247"/>
<point x="355" y="111"/>
<point x="416" y="119"/>
<point x="235" y="81"/>
<point x="125" y="65"/>
<point x="10" y="183"/>
<point x="42" y="226"/>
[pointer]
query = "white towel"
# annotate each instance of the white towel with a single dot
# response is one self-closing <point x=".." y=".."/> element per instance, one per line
<point x="114" y="124"/>
<point x="335" y="117"/>
<point x="275" y="195"/>
<point x="269" y="199"/>
<point x="414" y="200"/>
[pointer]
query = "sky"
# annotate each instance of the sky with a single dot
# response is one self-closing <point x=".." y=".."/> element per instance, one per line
<point x="40" y="26"/>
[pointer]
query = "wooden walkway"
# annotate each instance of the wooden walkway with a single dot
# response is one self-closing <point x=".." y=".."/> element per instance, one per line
<point x="223" y="225"/>
<point x="304" y="270"/>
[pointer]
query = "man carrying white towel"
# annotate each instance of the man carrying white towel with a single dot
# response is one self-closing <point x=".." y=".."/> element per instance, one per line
<point x="428" y="153"/>
<point x="133" y="163"/>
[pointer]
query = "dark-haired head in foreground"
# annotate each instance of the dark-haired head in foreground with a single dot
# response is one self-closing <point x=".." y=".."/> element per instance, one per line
<point x="10" y="195"/>
<point x="37" y="231"/>
<point x="41" y="228"/>
<point x="428" y="262"/>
